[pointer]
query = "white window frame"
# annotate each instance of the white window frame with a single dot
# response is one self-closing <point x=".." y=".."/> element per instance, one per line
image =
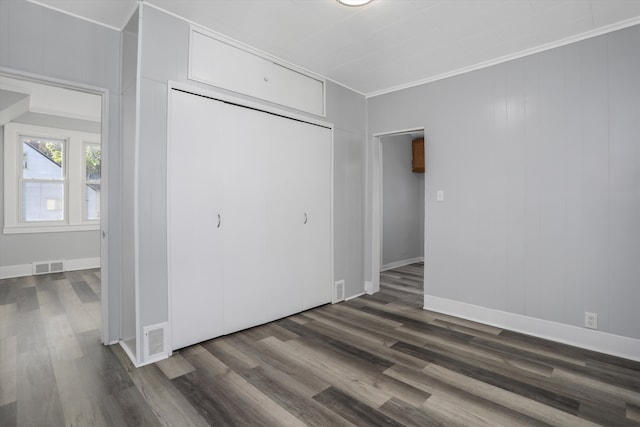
<point x="73" y="171"/>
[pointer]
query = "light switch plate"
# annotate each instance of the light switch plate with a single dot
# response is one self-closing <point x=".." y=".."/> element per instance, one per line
<point x="440" y="195"/>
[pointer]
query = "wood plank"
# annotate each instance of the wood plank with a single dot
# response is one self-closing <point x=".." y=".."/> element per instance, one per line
<point x="232" y="399"/>
<point x="352" y="409"/>
<point x="27" y="299"/>
<point x="8" y="370"/>
<point x="175" y="366"/>
<point x="409" y="415"/>
<point x="505" y="382"/>
<point x="7" y="320"/>
<point x="9" y="414"/>
<point x="170" y="406"/>
<point x="293" y="397"/>
<point x="84" y="291"/>
<point x="532" y="408"/>
<point x="38" y="402"/>
<point x="481" y="406"/>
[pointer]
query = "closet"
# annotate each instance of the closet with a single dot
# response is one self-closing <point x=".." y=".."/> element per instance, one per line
<point x="249" y="217"/>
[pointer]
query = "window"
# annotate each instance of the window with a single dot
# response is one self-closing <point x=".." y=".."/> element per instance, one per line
<point x="52" y="179"/>
<point x="42" y="186"/>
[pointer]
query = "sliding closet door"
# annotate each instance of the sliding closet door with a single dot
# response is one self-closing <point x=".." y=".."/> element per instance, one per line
<point x="281" y="260"/>
<point x="196" y="157"/>
<point x="316" y="200"/>
<point x="247" y="297"/>
<point x="303" y="210"/>
<point x="249" y="217"/>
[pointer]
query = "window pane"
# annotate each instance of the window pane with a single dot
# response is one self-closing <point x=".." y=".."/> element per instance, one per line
<point x="42" y="158"/>
<point x="92" y="201"/>
<point x="93" y="161"/>
<point x="42" y="201"/>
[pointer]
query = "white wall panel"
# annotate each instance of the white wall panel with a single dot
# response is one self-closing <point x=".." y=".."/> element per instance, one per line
<point x="624" y="180"/>
<point x="221" y="64"/>
<point x="540" y="220"/>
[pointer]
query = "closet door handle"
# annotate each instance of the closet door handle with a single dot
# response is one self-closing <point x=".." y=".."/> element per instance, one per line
<point x="219" y="221"/>
<point x="305" y="218"/>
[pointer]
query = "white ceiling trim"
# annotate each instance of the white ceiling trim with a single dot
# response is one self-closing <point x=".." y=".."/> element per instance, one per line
<point x="512" y="56"/>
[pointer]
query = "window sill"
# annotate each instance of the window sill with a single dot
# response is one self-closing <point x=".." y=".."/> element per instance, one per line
<point x="63" y="228"/>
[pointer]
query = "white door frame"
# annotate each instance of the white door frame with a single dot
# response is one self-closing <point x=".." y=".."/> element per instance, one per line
<point x="376" y="205"/>
<point x="104" y="193"/>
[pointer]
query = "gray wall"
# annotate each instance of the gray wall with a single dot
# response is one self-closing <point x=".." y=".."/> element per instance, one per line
<point x="540" y="162"/>
<point x="37" y="40"/>
<point x="25" y="49"/>
<point x="164" y="53"/>
<point x="402" y="202"/>
<point x="127" y="172"/>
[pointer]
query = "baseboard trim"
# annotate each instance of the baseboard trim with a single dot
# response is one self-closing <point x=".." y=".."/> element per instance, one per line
<point x="10" y="271"/>
<point x="401" y="263"/>
<point x="81" y="264"/>
<point x="354" y="296"/>
<point x="603" y="342"/>
<point x="22" y="270"/>
<point x="368" y="288"/>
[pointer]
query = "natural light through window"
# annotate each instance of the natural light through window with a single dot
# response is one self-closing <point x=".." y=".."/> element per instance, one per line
<point x="52" y="179"/>
<point x="42" y="189"/>
<point x="92" y="162"/>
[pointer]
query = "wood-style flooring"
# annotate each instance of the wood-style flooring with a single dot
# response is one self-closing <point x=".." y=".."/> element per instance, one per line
<point x="374" y="360"/>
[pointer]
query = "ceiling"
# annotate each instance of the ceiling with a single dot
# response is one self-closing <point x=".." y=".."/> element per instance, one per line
<point x="24" y="101"/>
<point x="388" y="44"/>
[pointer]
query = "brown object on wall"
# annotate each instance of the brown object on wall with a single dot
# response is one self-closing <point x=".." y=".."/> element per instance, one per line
<point x="417" y="161"/>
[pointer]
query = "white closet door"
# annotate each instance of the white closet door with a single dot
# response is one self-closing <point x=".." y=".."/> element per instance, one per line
<point x="316" y="200"/>
<point x="269" y="252"/>
<point x="247" y="296"/>
<point x="302" y="213"/>
<point x="286" y="213"/>
<point x="195" y="160"/>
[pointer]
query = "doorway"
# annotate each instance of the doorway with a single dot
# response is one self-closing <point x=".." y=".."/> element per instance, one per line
<point x="378" y="208"/>
<point x="54" y="187"/>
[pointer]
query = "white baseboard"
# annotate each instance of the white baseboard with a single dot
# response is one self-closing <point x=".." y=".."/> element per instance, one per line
<point x="81" y="264"/>
<point x="368" y="288"/>
<point x="9" y="271"/>
<point x="354" y="296"/>
<point x="401" y="263"/>
<point x="21" y="270"/>
<point x="603" y="342"/>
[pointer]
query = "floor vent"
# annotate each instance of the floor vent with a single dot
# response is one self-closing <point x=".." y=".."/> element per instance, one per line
<point x="155" y="342"/>
<point x="338" y="291"/>
<point x="47" y="267"/>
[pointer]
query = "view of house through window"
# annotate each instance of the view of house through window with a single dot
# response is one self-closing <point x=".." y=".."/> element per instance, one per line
<point x="42" y="189"/>
<point x="93" y="158"/>
<point x="43" y="179"/>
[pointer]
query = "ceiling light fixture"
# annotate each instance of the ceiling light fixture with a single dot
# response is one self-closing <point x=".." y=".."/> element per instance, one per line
<point x="354" y="2"/>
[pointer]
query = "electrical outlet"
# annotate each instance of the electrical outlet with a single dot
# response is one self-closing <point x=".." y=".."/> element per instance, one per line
<point x="590" y="320"/>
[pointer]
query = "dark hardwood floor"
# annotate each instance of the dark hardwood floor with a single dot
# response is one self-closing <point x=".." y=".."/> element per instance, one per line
<point x="374" y="360"/>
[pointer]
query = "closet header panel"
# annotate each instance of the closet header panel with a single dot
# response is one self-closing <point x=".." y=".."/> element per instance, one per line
<point x="225" y="65"/>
